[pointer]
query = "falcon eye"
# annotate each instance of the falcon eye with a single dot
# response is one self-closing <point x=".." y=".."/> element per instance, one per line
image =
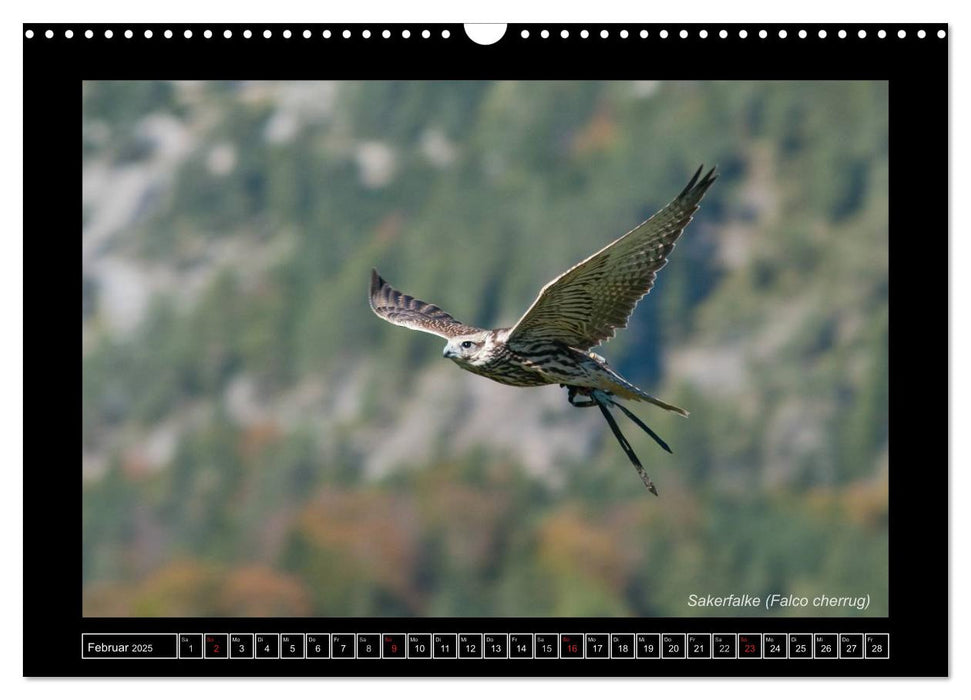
<point x="466" y="344"/>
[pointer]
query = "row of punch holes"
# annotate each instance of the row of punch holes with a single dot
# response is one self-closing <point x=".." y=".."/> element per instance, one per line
<point x="524" y="34"/>
<point x="246" y="34"/>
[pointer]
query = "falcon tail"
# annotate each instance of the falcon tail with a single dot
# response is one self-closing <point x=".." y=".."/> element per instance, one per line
<point x="644" y="396"/>
<point x="625" y="390"/>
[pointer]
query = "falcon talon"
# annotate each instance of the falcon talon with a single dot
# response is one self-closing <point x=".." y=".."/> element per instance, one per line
<point x="582" y="308"/>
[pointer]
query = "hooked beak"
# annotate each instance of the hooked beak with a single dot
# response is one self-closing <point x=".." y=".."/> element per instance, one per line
<point x="447" y="353"/>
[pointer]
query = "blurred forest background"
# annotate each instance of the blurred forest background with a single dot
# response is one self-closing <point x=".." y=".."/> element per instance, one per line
<point x="257" y="442"/>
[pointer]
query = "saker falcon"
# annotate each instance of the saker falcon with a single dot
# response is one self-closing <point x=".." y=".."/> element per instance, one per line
<point x="575" y="312"/>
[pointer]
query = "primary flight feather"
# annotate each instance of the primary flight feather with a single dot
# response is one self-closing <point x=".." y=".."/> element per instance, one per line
<point x="575" y="312"/>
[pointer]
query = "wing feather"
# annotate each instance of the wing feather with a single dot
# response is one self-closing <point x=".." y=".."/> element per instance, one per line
<point x="403" y="310"/>
<point x="585" y="305"/>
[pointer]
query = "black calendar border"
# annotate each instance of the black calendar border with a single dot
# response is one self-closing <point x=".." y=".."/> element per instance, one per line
<point x="917" y="71"/>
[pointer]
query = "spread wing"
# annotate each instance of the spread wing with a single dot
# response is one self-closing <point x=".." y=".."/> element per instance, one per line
<point x="403" y="310"/>
<point x="583" y="306"/>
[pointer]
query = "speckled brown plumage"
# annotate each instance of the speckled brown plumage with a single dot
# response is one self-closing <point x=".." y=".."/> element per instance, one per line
<point x="575" y="312"/>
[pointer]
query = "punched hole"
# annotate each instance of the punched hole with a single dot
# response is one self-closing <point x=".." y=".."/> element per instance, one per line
<point x="486" y="34"/>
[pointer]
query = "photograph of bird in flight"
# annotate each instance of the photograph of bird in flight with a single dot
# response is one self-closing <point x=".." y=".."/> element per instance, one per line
<point x="582" y="308"/>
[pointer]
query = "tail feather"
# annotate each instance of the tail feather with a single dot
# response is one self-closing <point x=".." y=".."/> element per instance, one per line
<point x="625" y="390"/>
<point x="644" y="396"/>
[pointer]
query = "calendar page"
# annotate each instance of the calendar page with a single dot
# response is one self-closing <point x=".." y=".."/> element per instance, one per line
<point x="343" y="288"/>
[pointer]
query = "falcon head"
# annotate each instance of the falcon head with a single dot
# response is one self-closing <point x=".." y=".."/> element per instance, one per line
<point x="470" y="350"/>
